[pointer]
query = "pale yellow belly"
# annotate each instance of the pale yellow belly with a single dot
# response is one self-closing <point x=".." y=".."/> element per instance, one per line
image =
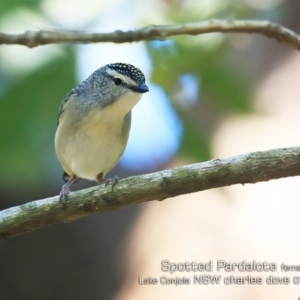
<point x="90" y="155"/>
<point x="95" y="147"/>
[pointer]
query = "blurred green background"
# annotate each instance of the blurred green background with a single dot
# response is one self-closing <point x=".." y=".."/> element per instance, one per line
<point x="80" y="260"/>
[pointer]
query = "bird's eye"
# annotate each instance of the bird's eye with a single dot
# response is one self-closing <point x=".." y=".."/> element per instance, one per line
<point x="117" y="81"/>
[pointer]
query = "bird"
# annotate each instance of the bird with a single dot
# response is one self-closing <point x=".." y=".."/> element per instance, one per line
<point x="94" y="122"/>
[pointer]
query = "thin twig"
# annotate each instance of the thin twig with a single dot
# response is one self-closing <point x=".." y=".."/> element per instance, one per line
<point x="36" y="38"/>
<point x="246" y="168"/>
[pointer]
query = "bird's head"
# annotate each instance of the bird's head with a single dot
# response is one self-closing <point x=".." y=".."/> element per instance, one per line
<point x="118" y="83"/>
<point x="126" y="76"/>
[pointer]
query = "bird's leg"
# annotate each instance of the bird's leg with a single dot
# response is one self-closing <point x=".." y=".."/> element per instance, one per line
<point x="65" y="190"/>
<point x="113" y="181"/>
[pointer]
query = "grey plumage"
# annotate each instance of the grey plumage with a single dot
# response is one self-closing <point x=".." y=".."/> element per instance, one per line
<point x="94" y="122"/>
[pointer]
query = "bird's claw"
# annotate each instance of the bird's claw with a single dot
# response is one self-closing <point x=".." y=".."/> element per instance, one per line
<point x="112" y="181"/>
<point x="65" y="190"/>
<point x="64" y="195"/>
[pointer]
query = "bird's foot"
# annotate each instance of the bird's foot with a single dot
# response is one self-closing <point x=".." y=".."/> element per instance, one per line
<point x="112" y="181"/>
<point x="65" y="190"/>
<point x="64" y="195"/>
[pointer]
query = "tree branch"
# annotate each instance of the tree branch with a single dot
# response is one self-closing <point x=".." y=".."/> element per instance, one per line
<point x="36" y="38"/>
<point x="246" y="168"/>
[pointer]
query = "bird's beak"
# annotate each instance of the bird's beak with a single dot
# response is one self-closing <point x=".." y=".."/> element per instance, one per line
<point x="142" y="88"/>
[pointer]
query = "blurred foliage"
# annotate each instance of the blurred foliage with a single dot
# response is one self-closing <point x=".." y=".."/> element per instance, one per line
<point x="224" y="89"/>
<point x="29" y="107"/>
<point x="9" y="6"/>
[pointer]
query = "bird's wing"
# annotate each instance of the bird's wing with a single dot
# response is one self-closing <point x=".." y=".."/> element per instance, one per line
<point x="63" y="104"/>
